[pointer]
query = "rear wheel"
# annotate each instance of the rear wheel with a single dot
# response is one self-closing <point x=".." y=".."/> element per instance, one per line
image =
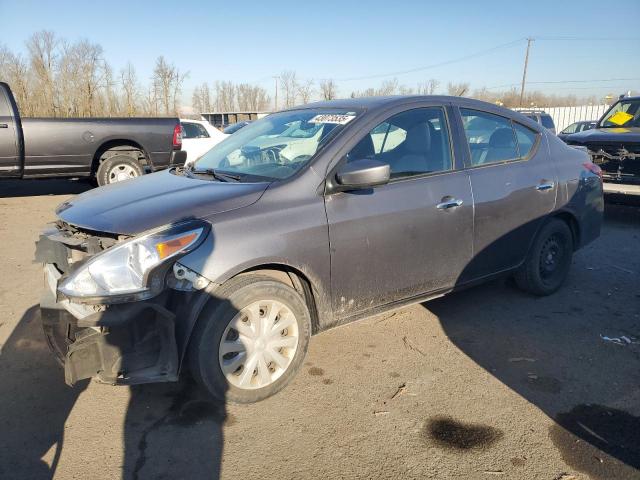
<point x="118" y="168"/>
<point x="250" y="340"/>
<point x="548" y="262"/>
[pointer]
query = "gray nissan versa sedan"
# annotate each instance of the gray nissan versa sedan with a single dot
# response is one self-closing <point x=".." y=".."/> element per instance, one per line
<point x="301" y="221"/>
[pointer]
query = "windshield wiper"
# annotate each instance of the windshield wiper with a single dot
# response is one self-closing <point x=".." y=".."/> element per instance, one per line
<point x="218" y="175"/>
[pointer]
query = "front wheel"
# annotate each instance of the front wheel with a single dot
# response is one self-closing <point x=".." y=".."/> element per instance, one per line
<point x="547" y="264"/>
<point x="251" y="339"/>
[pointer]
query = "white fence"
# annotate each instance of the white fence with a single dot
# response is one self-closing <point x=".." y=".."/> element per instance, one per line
<point x="565" y="116"/>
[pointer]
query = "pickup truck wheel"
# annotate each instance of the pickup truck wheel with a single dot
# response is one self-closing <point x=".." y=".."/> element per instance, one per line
<point x="118" y="168"/>
<point x="548" y="262"/>
<point x="251" y="340"/>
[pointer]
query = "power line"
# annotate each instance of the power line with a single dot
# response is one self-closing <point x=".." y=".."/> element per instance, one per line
<point x="567" y="81"/>
<point x="586" y="39"/>
<point x="440" y="64"/>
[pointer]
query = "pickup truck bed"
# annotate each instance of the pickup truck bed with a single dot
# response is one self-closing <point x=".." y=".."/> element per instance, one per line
<point x="107" y="149"/>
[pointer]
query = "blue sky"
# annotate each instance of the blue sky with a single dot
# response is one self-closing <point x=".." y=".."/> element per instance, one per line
<point x="250" y="41"/>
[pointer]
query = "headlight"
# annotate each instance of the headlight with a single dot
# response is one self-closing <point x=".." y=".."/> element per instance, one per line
<point x="133" y="270"/>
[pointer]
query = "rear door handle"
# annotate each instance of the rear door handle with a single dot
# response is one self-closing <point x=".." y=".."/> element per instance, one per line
<point x="4" y="125"/>
<point x="449" y="203"/>
<point x="545" y="186"/>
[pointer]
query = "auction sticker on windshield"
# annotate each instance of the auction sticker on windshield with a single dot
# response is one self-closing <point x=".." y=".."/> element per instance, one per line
<point x="339" y="119"/>
<point x="620" y="118"/>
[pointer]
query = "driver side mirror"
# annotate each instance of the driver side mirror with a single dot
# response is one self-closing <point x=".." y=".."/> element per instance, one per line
<point x="363" y="173"/>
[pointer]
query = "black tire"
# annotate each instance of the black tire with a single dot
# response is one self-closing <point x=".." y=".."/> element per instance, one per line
<point x="230" y="299"/>
<point x="547" y="264"/>
<point x="109" y="168"/>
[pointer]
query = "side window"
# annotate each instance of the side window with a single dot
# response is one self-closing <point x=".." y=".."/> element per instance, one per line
<point x="572" y="128"/>
<point x="189" y="130"/>
<point x="414" y="142"/>
<point x="526" y="139"/>
<point x="491" y="137"/>
<point x="5" y="109"/>
<point x="202" y="132"/>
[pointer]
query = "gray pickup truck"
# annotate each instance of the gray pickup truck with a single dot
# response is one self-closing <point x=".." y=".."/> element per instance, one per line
<point x="106" y="150"/>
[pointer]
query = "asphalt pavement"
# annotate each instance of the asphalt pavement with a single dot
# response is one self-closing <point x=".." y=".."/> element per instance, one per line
<point x="486" y="383"/>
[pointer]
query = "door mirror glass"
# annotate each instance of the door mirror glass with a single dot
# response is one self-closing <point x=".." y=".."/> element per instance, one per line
<point x="363" y="173"/>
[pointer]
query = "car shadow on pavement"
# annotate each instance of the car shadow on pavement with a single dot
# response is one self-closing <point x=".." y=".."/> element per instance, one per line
<point x="551" y="351"/>
<point x="35" y="188"/>
<point x="34" y="403"/>
<point x="171" y="430"/>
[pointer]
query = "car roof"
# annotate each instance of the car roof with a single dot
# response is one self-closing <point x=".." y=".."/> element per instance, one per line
<point x="371" y="103"/>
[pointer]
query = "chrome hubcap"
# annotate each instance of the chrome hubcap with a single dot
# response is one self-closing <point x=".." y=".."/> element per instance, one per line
<point x="258" y="345"/>
<point x="122" y="172"/>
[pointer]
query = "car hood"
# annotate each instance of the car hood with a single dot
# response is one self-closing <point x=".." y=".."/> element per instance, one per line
<point x="606" y="135"/>
<point x="150" y="201"/>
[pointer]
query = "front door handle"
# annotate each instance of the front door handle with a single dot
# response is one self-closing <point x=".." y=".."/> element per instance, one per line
<point x="545" y="186"/>
<point x="448" y="203"/>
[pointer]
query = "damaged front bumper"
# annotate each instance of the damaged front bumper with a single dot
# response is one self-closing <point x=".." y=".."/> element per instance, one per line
<point x="118" y="344"/>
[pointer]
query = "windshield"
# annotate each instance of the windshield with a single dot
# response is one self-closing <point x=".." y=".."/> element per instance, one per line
<point x="276" y="146"/>
<point x="625" y="113"/>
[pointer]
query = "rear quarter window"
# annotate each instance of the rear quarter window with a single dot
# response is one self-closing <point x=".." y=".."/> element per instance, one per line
<point x="527" y="139"/>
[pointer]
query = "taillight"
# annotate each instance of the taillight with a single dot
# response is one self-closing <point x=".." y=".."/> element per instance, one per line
<point x="593" y="168"/>
<point x="177" y="137"/>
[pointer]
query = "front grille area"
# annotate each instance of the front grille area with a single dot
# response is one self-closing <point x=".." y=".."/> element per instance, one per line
<point x="619" y="162"/>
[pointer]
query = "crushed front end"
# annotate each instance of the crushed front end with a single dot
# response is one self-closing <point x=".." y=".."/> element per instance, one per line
<point x="111" y="333"/>
<point x="619" y="162"/>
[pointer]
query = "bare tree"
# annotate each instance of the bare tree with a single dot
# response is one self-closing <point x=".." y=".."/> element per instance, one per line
<point x="404" y="90"/>
<point x="60" y="78"/>
<point x="196" y="100"/>
<point x="88" y="59"/>
<point x="150" y="101"/>
<point x="168" y="80"/>
<point x="328" y="89"/>
<point x="178" y="81"/>
<point x="388" y="87"/>
<point x="205" y="95"/>
<point x="429" y="87"/>
<point x="457" y="89"/>
<point x="251" y="98"/>
<point x="43" y="53"/>
<point x="201" y="98"/>
<point x="261" y="99"/>
<point x="130" y="90"/>
<point x="289" y="85"/>
<point x="112" y="100"/>
<point x="163" y="82"/>
<point x="225" y="96"/>
<point x="305" y="91"/>
<point x="15" y="71"/>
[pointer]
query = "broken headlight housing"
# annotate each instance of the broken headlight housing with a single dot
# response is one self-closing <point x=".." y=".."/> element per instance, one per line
<point x="134" y="269"/>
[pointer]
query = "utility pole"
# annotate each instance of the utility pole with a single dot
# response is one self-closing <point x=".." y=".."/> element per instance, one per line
<point x="276" y="101"/>
<point x="524" y="73"/>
